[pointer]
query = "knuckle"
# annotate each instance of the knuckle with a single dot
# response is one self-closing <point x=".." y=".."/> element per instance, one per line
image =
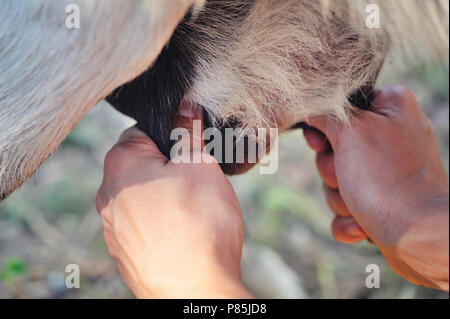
<point x="113" y="159"/>
<point x="401" y="93"/>
<point x="397" y="101"/>
<point x="117" y="159"/>
<point x="398" y="94"/>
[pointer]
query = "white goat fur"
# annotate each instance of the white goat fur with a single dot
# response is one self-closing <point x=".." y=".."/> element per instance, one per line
<point x="288" y="52"/>
<point x="293" y="57"/>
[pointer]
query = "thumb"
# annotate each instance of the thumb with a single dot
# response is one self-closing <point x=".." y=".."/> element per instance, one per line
<point x="190" y="117"/>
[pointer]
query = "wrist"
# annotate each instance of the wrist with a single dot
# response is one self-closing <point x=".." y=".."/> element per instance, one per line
<point x="209" y="281"/>
<point x="425" y="245"/>
<point x="216" y="288"/>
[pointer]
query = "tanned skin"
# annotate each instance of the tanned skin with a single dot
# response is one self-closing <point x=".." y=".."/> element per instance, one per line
<point x="176" y="230"/>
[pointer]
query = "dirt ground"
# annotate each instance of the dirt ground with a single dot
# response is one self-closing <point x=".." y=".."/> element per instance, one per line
<point x="51" y="221"/>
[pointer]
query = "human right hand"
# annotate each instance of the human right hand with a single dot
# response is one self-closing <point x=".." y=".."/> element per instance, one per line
<point x="384" y="180"/>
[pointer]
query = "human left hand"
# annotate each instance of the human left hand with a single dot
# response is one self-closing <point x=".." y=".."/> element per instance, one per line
<point x="175" y="230"/>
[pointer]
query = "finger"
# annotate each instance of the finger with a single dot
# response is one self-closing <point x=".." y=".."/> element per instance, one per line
<point x="190" y="117"/>
<point x="336" y="203"/>
<point x="347" y="230"/>
<point x="135" y="138"/>
<point x="326" y="168"/>
<point x="316" y="139"/>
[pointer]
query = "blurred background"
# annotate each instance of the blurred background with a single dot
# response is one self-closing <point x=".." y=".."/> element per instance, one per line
<point x="51" y="221"/>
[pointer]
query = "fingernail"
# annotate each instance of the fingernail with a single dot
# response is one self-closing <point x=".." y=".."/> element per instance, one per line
<point x="190" y="110"/>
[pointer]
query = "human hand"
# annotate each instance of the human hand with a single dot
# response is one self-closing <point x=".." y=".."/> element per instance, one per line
<point x="384" y="180"/>
<point x="175" y="230"/>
